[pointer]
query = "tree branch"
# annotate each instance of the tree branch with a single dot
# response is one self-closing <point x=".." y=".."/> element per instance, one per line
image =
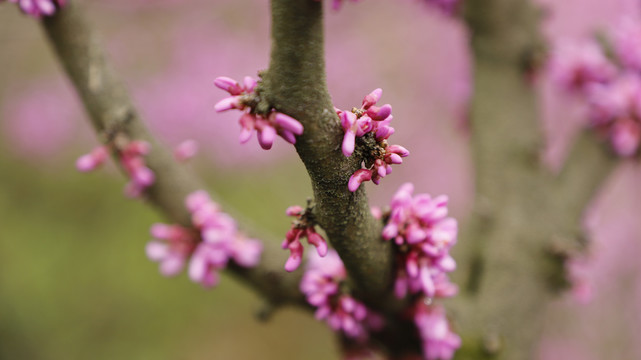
<point x="511" y="225"/>
<point x="588" y="165"/>
<point x="295" y="84"/>
<point x="110" y="109"/>
<point x="522" y="211"/>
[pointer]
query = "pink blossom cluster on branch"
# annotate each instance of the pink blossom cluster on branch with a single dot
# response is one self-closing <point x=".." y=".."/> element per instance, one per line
<point x="322" y="286"/>
<point x="610" y="83"/>
<point x="370" y="124"/>
<point x="38" y="8"/>
<point x="267" y="125"/>
<point x="209" y="246"/>
<point x="437" y="337"/>
<point x="424" y="235"/>
<point x="131" y="158"/>
<point x="302" y="227"/>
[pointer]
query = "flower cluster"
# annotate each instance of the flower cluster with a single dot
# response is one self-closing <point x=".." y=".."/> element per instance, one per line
<point x="38" y="8"/>
<point x="611" y="87"/>
<point x="211" y="244"/>
<point x="303" y="226"/>
<point x="267" y="125"/>
<point x="370" y="124"/>
<point x="131" y="157"/>
<point x="424" y="235"/>
<point x="321" y="284"/>
<point x="437" y="337"/>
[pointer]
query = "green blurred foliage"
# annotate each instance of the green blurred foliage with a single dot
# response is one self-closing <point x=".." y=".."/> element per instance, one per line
<point x="75" y="282"/>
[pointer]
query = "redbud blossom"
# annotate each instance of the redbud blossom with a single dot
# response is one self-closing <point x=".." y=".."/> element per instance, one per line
<point x="209" y="246"/>
<point x="93" y="160"/>
<point x="140" y="176"/>
<point x="573" y="66"/>
<point x="613" y="95"/>
<point x="370" y="123"/>
<point x="267" y="126"/>
<point x="302" y="227"/>
<point x="424" y="235"/>
<point x="439" y="341"/>
<point x="186" y="150"/>
<point x="321" y="284"/>
<point x="172" y="247"/>
<point x="627" y="43"/>
<point x="38" y="8"/>
<point x="131" y="158"/>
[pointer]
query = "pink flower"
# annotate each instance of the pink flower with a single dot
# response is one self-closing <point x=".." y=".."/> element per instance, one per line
<point x="439" y="341"/>
<point x="615" y="110"/>
<point x="268" y="125"/>
<point x="573" y="66"/>
<point x="221" y="241"/>
<point x="625" y="137"/>
<point x="93" y="160"/>
<point x="321" y="286"/>
<point x="209" y="247"/>
<point x="627" y="43"/>
<point x="302" y="227"/>
<point x="370" y="122"/>
<point x="131" y="157"/>
<point x="424" y="235"/>
<point x="186" y="150"/>
<point x="38" y="8"/>
<point x="173" y="245"/>
<point x="132" y="160"/>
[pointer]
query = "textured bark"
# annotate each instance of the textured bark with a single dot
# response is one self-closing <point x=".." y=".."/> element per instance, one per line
<point x="295" y="85"/>
<point x="524" y="216"/>
<point x="111" y="110"/>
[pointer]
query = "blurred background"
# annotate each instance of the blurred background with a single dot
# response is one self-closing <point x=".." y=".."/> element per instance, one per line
<point x="74" y="279"/>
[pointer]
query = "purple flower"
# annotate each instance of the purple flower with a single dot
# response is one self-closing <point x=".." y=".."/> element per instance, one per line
<point x="321" y="286"/>
<point x="38" y="8"/>
<point x="93" y="160"/>
<point x="221" y="241"/>
<point x="209" y="247"/>
<point x="627" y="43"/>
<point x="140" y="176"/>
<point x="131" y="157"/>
<point x="173" y="245"/>
<point x="302" y="227"/>
<point x="439" y="341"/>
<point x="424" y="235"/>
<point x="267" y="126"/>
<point x="574" y="66"/>
<point x="370" y="121"/>
<point x="615" y="110"/>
